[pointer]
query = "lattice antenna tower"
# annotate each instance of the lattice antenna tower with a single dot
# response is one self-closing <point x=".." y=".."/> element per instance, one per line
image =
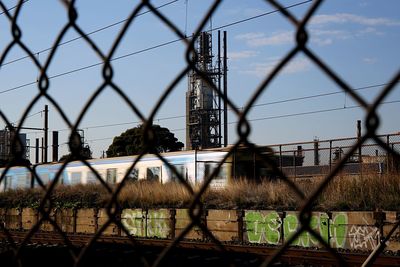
<point x="203" y="103"/>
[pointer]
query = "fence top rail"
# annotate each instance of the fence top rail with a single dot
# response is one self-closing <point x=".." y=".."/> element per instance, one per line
<point x="334" y="147"/>
<point x="329" y="140"/>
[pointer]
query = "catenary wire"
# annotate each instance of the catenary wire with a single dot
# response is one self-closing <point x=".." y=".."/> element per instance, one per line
<point x="87" y="34"/>
<point x="148" y="48"/>
<point x="11" y="8"/>
<point x="255" y="105"/>
<point x="256" y="119"/>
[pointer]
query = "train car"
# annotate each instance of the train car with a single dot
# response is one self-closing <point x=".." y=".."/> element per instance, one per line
<point x="193" y="165"/>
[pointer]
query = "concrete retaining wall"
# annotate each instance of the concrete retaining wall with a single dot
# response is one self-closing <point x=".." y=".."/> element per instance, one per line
<point x="348" y="230"/>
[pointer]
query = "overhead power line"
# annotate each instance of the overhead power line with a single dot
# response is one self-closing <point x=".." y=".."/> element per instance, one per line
<point x="87" y="34"/>
<point x="279" y="116"/>
<point x="11" y="8"/>
<point x="255" y="105"/>
<point x="149" y="48"/>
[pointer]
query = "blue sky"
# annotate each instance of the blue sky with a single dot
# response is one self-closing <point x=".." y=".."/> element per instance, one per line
<point x="357" y="39"/>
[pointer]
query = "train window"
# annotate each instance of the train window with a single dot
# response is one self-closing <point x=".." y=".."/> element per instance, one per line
<point x="76" y="177"/>
<point x="210" y="167"/>
<point x="222" y="174"/>
<point x="207" y="170"/>
<point x="153" y="173"/>
<point x="111" y="177"/>
<point x="44" y="177"/>
<point x="134" y="175"/>
<point x="91" y="178"/>
<point x="7" y="182"/>
<point x="23" y="181"/>
<point x="181" y="169"/>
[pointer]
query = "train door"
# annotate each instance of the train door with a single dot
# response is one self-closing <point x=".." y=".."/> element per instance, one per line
<point x="76" y="178"/>
<point x="7" y="182"/>
<point x="181" y="169"/>
<point x="111" y="175"/>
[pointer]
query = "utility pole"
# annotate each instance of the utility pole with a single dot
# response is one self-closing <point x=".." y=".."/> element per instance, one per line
<point x="358" y="139"/>
<point x="46" y="131"/>
<point x="55" y="146"/>
<point x="219" y="87"/>
<point x="225" y="92"/>
<point x="37" y="151"/>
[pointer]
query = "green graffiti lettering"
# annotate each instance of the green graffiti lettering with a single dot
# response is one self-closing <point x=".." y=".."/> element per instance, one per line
<point x="305" y="239"/>
<point x="157" y="224"/>
<point x="263" y="229"/>
<point x="255" y="226"/>
<point x="290" y="225"/>
<point x="133" y="222"/>
<point x="273" y="234"/>
<point x="339" y="230"/>
<point x="323" y="227"/>
<point x="314" y="225"/>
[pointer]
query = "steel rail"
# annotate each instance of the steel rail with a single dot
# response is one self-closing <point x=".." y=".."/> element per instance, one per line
<point x="293" y="255"/>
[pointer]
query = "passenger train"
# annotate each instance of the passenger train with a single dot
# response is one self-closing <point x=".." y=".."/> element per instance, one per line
<point x="193" y="165"/>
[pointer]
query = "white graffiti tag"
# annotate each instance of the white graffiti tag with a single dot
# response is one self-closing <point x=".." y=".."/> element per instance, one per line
<point x="364" y="237"/>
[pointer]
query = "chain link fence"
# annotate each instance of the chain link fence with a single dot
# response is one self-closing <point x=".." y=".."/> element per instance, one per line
<point x="328" y="158"/>
<point x="319" y="157"/>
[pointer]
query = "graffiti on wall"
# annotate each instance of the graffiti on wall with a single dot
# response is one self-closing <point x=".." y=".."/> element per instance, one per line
<point x="267" y="227"/>
<point x="154" y="223"/>
<point x="343" y="230"/>
<point x="364" y="236"/>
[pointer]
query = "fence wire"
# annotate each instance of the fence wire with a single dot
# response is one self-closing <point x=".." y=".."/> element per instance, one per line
<point x="341" y="154"/>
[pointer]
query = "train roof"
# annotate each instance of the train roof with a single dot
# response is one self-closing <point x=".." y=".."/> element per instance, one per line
<point x="130" y="158"/>
<point x="122" y="159"/>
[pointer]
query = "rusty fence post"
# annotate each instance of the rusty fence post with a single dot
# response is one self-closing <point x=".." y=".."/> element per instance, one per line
<point x="282" y="216"/>
<point x="380" y="218"/>
<point x="96" y="220"/>
<point x="145" y="220"/>
<point x="329" y="213"/>
<point x="19" y="216"/>
<point x="172" y="223"/>
<point x="240" y="215"/>
<point x="203" y="220"/>
<point x="74" y="219"/>
<point x="118" y="218"/>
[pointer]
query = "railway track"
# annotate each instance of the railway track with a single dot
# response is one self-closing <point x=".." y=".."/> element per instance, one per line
<point x="293" y="255"/>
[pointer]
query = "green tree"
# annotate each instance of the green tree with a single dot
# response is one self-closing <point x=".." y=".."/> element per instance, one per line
<point x="132" y="142"/>
<point x="78" y="149"/>
<point x="84" y="153"/>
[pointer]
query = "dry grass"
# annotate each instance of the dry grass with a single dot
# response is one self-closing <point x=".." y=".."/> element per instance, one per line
<point x="369" y="192"/>
<point x="153" y="194"/>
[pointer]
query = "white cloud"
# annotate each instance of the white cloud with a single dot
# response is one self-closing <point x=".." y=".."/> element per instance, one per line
<point x="318" y="32"/>
<point x="250" y="12"/>
<point x="342" y="18"/>
<point x="327" y="37"/>
<point x="249" y="36"/>
<point x="260" y="39"/>
<point x="369" y="31"/>
<point x="264" y="69"/>
<point x="369" y="60"/>
<point x="242" y="54"/>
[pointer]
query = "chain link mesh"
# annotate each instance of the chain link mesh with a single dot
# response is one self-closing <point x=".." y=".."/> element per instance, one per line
<point x="332" y="157"/>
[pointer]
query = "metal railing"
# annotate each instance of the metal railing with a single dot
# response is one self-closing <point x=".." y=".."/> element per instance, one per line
<point x="319" y="157"/>
<point x="345" y="150"/>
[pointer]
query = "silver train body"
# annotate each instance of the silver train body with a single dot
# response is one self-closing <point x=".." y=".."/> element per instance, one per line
<point x="193" y="165"/>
